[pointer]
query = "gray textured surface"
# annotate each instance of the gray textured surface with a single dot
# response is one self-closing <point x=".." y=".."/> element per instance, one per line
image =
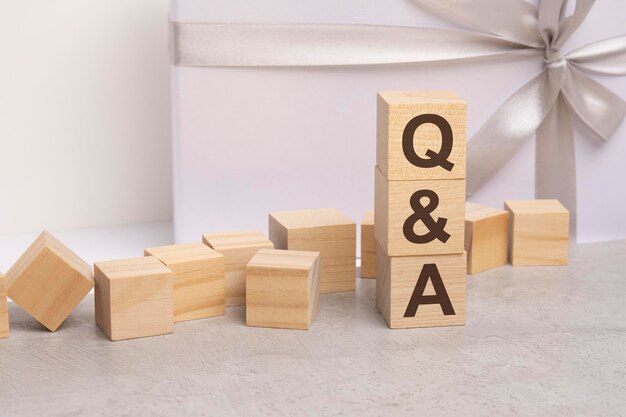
<point x="538" y="341"/>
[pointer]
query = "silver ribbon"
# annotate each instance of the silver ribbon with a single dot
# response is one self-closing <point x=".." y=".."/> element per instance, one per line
<point x="543" y="106"/>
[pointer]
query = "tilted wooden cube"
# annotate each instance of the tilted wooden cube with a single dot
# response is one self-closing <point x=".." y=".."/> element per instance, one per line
<point x="421" y="291"/>
<point x="49" y="280"/>
<point x="419" y="217"/>
<point x="327" y="231"/>
<point x="539" y="232"/>
<point x="282" y="289"/>
<point x="421" y="135"/>
<point x="486" y="237"/>
<point x="134" y="298"/>
<point x="238" y="248"/>
<point x="4" y="309"/>
<point x="368" y="246"/>
<point x="198" y="279"/>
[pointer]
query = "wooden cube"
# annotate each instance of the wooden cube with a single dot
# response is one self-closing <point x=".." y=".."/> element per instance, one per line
<point x="49" y="280"/>
<point x="282" y="289"/>
<point x="368" y="246"/>
<point x="134" y="298"/>
<point x="4" y="309"/>
<point x="402" y="213"/>
<point x="539" y="232"/>
<point x="238" y="248"/>
<point x="198" y="279"/>
<point x="421" y="135"/>
<point x="421" y="291"/>
<point x="486" y="237"/>
<point x="327" y="231"/>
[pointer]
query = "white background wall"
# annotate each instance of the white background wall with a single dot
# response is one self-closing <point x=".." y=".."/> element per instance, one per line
<point x="84" y="114"/>
<point x="85" y="123"/>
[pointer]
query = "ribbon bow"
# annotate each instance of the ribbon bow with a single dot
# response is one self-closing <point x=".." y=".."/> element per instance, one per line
<point x="543" y="106"/>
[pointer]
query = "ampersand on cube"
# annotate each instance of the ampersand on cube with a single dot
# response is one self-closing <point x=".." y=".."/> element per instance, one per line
<point x="423" y="214"/>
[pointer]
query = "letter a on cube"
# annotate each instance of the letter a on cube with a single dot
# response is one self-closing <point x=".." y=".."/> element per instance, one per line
<point x="421" y="291"/>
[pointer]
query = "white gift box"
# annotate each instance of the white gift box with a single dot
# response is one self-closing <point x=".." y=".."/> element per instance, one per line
<point x="252" y="140"/>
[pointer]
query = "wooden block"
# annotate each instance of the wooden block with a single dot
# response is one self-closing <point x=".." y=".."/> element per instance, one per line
<point x="238" y="248"/>
<point x="486" y="237"/>
<point x="282" y="289"/>
<point x="421" y="291"/>
<point x="49" y="280"/>
<point x="327" y="231"/>
<point x="368" y="246"/>
<point x="400" y="215"/>
<point x="539" y="232"/>
<point x="198" y="279"/>
<point x="421" y="135"/>
<point x="4" y="309"/>
<point x="134" y="298"/>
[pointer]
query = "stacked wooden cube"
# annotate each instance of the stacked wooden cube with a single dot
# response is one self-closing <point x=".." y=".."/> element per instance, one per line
<point x="419" y="209"/>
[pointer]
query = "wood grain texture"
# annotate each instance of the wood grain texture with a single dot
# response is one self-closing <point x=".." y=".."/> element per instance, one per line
<point x="134" y="298"/>
<point x="49" y="280"/>
<point x="539" y="232"/>
<point x="396" y="280"/>
<point x="393" y="208"/>
<point x="4" y="309"/>
<point x="282" y="289"/>
<point x="327" y="231"/>
<point x="486" y="237"/>
<point x="395" y="109"/>
<point x="198" y="270"/>
<point x="368" y="246"/>
<point x="238" y="247"/>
